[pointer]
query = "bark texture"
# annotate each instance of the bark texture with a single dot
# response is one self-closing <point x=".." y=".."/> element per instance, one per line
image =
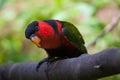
<point x="85" y="67"/>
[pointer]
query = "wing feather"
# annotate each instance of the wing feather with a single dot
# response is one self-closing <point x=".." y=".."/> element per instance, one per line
<point x="74" y="36"/>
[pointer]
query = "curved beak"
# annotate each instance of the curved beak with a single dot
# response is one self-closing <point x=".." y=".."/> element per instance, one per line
<point x="35" y="39"/>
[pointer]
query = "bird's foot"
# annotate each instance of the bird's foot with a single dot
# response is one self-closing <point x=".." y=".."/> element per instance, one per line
<point x="49" y="60"/>
<point x="38" y="65"/>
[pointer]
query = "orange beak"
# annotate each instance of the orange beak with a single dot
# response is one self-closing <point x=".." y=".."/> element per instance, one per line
<point x="35" y="39"/>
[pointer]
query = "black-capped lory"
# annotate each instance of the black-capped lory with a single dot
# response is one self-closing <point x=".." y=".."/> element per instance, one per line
<point x="60" y="39"/>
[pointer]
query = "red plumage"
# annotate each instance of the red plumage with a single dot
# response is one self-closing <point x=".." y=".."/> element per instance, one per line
<point x="56" y="40"/>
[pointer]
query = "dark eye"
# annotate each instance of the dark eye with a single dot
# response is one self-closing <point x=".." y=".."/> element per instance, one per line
<point x="36" y="28"/>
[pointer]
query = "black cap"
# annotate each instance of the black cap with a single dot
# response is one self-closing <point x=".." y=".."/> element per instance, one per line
<point x="31" y="29"/>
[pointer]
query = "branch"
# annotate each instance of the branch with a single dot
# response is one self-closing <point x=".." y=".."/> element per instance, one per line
<point x="108" y="28"/>
<point x="85" y="67"/>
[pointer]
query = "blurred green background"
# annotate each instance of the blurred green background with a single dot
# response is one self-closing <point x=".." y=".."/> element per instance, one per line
<point x="89" y="16"/>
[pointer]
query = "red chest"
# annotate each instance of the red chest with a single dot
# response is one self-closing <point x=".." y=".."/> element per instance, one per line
<point x="49" y="38"/>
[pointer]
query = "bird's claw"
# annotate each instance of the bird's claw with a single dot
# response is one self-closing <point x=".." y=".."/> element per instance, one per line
<point x="48" y="60"/>
<point x="40" y="63"/>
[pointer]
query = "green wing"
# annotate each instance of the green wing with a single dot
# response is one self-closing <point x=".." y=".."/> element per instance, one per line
<point x="74" y="36"/>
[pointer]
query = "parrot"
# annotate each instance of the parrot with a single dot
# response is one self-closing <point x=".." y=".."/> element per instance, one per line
<point x="60" y="39"/>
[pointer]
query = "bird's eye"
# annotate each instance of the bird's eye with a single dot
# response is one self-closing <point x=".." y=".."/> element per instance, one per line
<point x="36" y="28"/>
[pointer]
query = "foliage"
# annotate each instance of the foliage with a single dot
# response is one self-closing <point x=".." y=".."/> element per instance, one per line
<point x="89" y="16"/>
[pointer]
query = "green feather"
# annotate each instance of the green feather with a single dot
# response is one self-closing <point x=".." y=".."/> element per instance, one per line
<point x="73" y="35"/>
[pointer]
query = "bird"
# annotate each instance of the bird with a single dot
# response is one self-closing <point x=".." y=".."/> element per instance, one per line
<point x="60" y="39"/>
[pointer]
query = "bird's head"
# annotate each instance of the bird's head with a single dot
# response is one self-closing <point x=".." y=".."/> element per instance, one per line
<point x="30" y="31"/>
<point x="40" y="33"/>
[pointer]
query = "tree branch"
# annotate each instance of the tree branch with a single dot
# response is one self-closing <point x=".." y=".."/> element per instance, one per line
<point x="108" y="28"/>
<point x="85" y="67"/>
